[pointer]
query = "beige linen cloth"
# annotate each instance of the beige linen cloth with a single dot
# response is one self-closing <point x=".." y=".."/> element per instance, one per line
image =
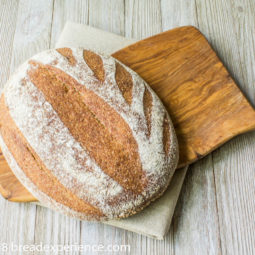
<point x="155" y="220"/>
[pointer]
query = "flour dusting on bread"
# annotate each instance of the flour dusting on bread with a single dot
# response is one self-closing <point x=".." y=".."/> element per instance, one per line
<point x="140" y="127"/>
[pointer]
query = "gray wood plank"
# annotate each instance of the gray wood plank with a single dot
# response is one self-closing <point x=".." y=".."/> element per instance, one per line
<point x="107" y="15"/>
<point x="75" y="10"/>
<point x="196" y="227"/>
<point x="178" y="13"/>
<point x="195" y="223"/>
<point x="33" y="30"/>
<point x="229" y="26"/>
<point x="8" y="17"/>
<point x="32" y="24"/>
<point x="142" y="18"/>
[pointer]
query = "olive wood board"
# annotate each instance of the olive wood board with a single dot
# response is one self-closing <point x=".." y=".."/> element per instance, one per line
<point x="206" y="106"/>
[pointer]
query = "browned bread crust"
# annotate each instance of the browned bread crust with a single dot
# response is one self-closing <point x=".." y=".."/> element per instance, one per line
<point x="86" y="135"/>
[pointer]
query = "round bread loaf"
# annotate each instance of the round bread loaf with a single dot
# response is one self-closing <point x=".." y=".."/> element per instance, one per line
<point x="86" y="135"/>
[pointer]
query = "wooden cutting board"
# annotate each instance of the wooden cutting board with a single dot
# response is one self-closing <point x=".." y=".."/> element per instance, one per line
<point x="205" y="104"/>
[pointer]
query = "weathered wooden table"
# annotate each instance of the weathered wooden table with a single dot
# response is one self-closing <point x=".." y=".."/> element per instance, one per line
<point x="216" y="210"/>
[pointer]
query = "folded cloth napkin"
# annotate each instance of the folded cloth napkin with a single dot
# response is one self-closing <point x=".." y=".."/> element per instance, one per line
<point x="154" y="221"/>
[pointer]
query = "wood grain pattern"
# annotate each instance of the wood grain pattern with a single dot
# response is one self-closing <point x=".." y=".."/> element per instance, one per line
<point x="10" y="187"/>
<point x="204" y="103"/>
<point x="219" y="187"/>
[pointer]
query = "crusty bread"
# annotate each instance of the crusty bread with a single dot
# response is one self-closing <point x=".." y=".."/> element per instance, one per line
<point x="86" y="135"/>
